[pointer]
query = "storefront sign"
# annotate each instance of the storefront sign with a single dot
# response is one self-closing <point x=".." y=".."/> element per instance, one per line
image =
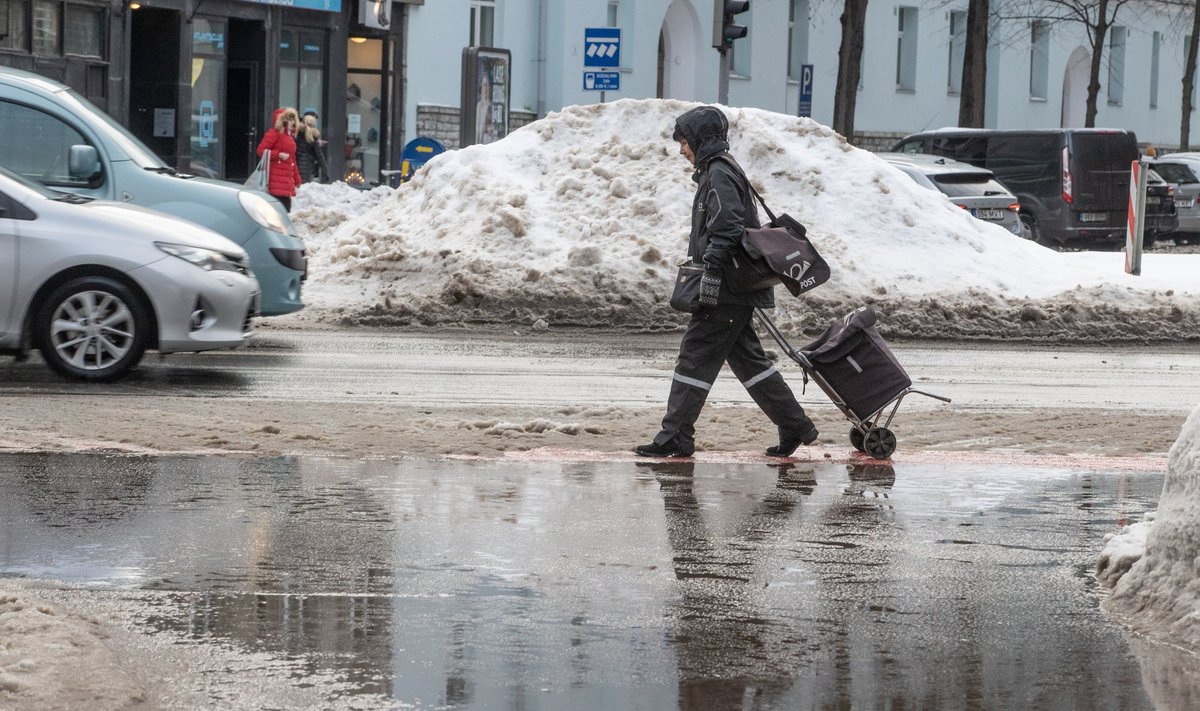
<point x="323" y="5"/>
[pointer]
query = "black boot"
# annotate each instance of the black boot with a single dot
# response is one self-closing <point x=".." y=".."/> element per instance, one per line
<point x="669" y="449"/>
<point x="788" y="442"/>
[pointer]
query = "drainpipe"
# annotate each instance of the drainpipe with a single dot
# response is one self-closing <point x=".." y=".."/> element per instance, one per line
<point x="543" y="21"/>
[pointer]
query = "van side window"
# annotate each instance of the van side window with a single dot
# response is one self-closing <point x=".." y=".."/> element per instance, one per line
<point x="36" y="145"/>
<point x="1027" y="163"/>
<point x="968" y="149"/>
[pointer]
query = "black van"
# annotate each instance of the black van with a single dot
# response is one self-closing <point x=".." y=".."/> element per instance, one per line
<point x="1073" y="184"/>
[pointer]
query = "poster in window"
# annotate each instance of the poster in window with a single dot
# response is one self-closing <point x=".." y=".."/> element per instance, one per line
<point x="486" y="93"/>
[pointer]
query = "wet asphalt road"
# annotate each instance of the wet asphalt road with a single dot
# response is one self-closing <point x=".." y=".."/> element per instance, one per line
<point x="606" y="585"/>
<point x="616" y="369"/>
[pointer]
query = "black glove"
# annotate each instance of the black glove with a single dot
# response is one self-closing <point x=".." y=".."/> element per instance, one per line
<point x="710" y="287"/>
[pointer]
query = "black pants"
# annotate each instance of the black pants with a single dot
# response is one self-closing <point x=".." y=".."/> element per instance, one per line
<point x="287" y="202"/>
<point x="713" y="337"/>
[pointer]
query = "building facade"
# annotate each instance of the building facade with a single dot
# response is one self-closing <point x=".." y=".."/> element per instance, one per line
<point x="197" y="80"/>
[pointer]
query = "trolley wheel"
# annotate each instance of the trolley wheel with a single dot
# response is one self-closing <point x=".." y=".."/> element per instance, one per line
<point x="879" y="443"/>
<point x="856" y="437"/>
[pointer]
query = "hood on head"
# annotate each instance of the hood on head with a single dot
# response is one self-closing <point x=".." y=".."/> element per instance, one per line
<point x="706" y="131"/>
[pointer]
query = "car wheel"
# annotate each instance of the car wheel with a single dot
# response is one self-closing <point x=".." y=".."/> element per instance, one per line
<point x="92" y="328"/>
<point x="1028" y="226"/>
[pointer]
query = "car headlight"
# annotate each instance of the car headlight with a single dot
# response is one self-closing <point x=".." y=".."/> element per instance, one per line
<point x="262" y="211"/>
<point x="207" y="259"/>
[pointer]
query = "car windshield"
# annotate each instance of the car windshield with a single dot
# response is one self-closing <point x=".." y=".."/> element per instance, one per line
<point x="137" y="151"/>
<point x="30" y="185"/>
<point x="968" y="184"/>
<point x="1176" y="173"/>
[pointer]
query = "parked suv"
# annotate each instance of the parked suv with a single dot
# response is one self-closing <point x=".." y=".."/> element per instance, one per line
<point x="58" y="138"/>
<point x="1073" y="184"/>
<point x="971" y="188"/>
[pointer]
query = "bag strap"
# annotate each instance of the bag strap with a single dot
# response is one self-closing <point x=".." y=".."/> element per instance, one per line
<point x="733" y="162"/>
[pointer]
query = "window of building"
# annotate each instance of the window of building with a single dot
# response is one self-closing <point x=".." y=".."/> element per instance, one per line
<point x="366" y="117"/>
<point x="614" y="13"/>
<point x="1155" y="53"/>
<point x="483" y="23"/>
<point x="739" y="58"/>
<point x="302" y="70"/>
<point x="208" y="96"/>
<point x="958" y="48"/>
<point x="84" y="29"/>
<point x="14" y="33"/>
<point x="797" y="37"/>
<point x="1039" y="59"/>
<point x="1116" y="65"/>
<point x="906" y="49"/>
<point x="47" y="27"/>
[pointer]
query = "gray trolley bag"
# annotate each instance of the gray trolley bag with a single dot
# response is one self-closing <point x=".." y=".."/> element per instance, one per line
<point x="853" y="365"/>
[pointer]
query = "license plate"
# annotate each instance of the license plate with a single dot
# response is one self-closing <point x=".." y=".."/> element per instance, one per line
<point x="1185" y="203"/>
<point x="989" y="213"/>
<point x="1153" y="200"/>
<point x="1093" y="216"/>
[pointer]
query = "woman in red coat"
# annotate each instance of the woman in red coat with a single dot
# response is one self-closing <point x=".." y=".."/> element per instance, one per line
<point x="283" y="175"/>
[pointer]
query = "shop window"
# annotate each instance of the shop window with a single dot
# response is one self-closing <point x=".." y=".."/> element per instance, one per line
<point x="208" y="97"/>
<point x="302" y="70"/>
<point x="366" y="126"/>
<point x="47" y="27"/>
<point x="84" y="29"/>
<point x="14" y="32"/>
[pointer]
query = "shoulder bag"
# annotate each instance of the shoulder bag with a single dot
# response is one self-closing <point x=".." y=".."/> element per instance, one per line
<point x="258" y="177"/>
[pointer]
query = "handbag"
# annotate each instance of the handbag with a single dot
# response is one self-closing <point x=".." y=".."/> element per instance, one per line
<point x="776" y="253"/>
<point x="685" y="296"/>
<point x="258" y="177"/>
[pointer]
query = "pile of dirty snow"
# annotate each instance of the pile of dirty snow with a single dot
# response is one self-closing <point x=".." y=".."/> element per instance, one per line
<point x="1153" y="567"/>
<point x="578" y="219"/>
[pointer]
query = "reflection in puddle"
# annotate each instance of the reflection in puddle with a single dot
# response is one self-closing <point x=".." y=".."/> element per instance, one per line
<point x="586" y="585"/>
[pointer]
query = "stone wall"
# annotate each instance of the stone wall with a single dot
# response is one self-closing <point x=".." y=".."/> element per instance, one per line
<point x="876" y="141"/>
<point x="441" y="123"/>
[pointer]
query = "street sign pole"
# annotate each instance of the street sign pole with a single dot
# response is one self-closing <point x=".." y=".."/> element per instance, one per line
<point x="723" y="79"/>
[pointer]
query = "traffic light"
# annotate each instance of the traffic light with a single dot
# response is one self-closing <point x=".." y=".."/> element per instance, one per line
<point x="724" y="29"/>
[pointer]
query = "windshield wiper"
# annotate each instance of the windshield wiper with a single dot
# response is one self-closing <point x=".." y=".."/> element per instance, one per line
<point x="163" y="169"/>
<point x="71" y="198"/>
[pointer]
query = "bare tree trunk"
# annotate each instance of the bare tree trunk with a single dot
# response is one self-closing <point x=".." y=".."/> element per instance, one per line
<point x="972" y="99"/>
<point x="1101" y="30"/>
<point x="1189" y="76"/>
<point x="854" y="16"/>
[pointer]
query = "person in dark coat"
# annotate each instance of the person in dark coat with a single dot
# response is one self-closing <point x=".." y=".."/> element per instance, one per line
<point x="722" y="330"/>
<point x="310" y="150"/>
<point x="283" y="177"/>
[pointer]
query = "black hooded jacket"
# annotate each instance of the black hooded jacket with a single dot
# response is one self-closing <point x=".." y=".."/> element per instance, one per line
<point x="724" y="205"/>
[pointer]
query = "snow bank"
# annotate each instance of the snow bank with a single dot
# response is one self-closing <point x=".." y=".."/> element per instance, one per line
<point x="578" y="220"/>
<point x="1159" y="594"/>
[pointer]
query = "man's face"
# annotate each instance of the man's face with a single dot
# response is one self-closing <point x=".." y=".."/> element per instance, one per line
<point x="686" y="151"/>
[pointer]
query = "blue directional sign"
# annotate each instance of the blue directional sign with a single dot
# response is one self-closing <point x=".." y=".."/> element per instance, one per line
<point x="806" y="87"/>
<point x="602" y="81"/>
<point x="602" y="47"/>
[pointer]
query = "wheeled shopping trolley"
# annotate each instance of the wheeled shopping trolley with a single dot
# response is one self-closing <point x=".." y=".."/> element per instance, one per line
<point x="853" y="365"/>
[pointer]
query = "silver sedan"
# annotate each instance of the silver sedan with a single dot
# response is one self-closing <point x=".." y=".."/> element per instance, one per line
<point x="94" y="284"/>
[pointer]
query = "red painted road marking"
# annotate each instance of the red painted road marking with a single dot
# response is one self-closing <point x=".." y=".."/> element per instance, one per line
<point x="842" y="456"/>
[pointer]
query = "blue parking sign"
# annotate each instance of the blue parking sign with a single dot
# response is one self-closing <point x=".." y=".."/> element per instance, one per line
<point x="602" y="47"/>
<point x="806" y="90"/>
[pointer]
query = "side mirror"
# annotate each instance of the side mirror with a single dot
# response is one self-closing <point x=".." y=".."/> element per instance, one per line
<point x="83" y="162"/>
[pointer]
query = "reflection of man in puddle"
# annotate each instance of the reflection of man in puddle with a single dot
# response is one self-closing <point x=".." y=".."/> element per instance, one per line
<point x="743" y="636"/>
<point x="728" y="647"/>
